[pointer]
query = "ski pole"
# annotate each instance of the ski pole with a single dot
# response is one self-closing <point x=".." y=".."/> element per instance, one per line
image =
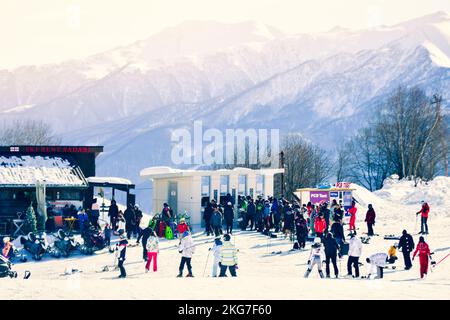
<point x="441" y="260"/>
<point x="206" y="264"/>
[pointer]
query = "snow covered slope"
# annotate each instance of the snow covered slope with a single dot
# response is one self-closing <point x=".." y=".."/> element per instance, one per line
<point x="261" y="274"/>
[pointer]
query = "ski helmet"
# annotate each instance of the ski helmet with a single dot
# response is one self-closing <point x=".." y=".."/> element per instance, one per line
<point x="226" y="237"/>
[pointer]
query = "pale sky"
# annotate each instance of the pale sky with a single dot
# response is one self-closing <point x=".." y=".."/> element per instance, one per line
<point x="46" y="31"/>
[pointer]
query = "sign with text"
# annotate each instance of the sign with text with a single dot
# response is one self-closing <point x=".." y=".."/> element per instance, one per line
<point x="343" y="184"/>
<point x="319" y="196"/>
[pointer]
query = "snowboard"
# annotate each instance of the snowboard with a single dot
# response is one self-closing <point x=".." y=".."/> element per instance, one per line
<point x="391" y="237"/>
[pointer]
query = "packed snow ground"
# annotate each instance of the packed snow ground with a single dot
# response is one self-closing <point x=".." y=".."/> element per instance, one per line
<point x="261" y="274"/>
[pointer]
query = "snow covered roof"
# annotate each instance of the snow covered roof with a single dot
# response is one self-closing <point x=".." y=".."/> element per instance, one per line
<point x="167" y="172"/>
<point x="26" y="170"/>
<point x="110" y="180"/>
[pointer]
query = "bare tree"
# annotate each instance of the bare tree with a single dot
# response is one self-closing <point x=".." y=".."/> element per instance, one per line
<point x="27" y="132"/>
<point x="306" y="165"/>
<point x="407" y="136"/>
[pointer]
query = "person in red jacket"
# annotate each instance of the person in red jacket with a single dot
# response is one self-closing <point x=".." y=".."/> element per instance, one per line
<point x="182" y="227"/>
<point x="424" y="253"/>
<point x="370" y="219"/>
<point x="320" y="226"/>
<point x="352" y="212"/>
<point x="424" y="217"/>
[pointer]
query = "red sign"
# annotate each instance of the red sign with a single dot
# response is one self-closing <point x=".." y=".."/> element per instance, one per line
<point x="57" y="149"/>
<point x="343" y="184"/>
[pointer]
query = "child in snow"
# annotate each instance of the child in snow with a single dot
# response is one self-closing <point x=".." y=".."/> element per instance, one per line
<point x="316" y="257"/>
<point x="228" y="257"/>
<point x="424" y="254"/>
<point x="152" y="247"/>
<point x="392" y="253"/>
<point x="122" y="248"/>
<point x="216" y="252"/>
<point x="377" y="261"/>
<point x="182" y="227"/>
<point x="187" y="249"/>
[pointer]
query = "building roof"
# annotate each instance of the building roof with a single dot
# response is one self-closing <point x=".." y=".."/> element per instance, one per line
<point x="109" y="180"/>
<point x="25" y="171"/>
<point x="328" y="189"/>
<point x="167" y="172"/>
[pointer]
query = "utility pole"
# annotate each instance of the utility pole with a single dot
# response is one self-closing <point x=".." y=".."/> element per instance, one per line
<point x="281" y="165"/>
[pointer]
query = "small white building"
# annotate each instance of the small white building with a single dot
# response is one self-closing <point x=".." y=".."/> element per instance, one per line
<point x="191" y="190"/>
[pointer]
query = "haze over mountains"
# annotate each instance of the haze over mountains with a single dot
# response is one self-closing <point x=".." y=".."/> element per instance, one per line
<point x="244" y="75"/>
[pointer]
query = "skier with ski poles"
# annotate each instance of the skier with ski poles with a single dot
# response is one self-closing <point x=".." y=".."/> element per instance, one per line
<point x="424" y="254"/>
<point x="406" y="245"/>
<point x="424" y="211"/>
<point x="187" y="249"/>
<point x="316" y="257"/>
<point x="216" y="248"/>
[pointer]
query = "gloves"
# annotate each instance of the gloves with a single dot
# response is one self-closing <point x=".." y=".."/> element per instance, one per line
<point x="209" y="249"/>
<point x="220" y="264"/>
<point x="309" y="261"/>
<point x="236" y="266"/>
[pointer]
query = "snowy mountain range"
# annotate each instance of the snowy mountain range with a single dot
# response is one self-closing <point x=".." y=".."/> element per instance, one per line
<point x="230" y="76"/>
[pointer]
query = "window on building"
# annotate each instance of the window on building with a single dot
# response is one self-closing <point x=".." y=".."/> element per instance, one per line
<point x="224" y="185"/>
<point x="242" y="185"/>
<point x="206" y="186"/>
<point x="259" y="184"/>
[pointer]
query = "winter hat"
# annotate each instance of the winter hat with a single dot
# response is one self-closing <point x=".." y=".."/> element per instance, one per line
<point x="6" y="239"/>
<point x="185" y="234"/>
<point x="370" y="206"/>
<point x="217" y="241"/>
<point x="226" y="237"/>
<point x="404" y="232"/>
<point x="229" y="203"/>
<point x="317" y="240"/>
<point x="182" y="220"/>
<point x="368" y="260"/>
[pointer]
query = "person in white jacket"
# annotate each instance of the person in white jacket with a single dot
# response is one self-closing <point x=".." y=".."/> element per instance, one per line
<point x="187" y="249"/>
<point x="354" y="252"/>
<point x="216" y="252"/>
<point x="377" y="262"/>
<point x="316" y="257"/>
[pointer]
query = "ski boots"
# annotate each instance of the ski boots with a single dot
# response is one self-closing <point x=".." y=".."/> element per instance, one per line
<point x="190" y="275"/>
<point x="180" y="275"/>
<point x="307" y="273"/>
